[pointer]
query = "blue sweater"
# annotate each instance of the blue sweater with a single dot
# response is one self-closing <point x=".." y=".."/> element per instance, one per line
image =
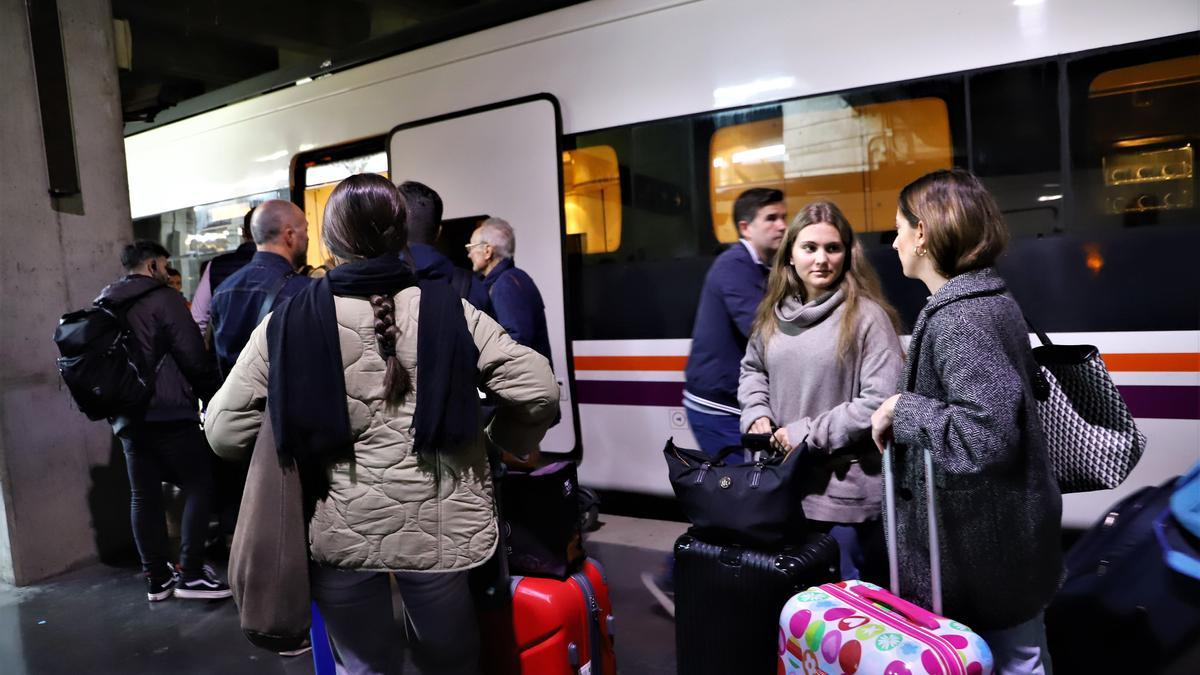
<point x="733" y="287"/>
<point x="519" y="307"/>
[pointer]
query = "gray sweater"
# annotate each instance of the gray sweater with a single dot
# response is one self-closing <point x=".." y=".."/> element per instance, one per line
<point x="798" y="381"/>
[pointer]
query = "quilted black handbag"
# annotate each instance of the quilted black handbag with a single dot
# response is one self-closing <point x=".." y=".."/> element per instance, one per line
<point x="753" y="504"/>
<point x="1090" y="433"/>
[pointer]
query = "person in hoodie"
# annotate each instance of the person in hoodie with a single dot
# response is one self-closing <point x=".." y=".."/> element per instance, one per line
<point x="823" y="355"/>
<point x="424" y="225"/>
<point x="165" y="441"/>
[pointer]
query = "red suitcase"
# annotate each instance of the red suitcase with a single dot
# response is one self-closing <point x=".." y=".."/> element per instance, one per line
<point x="551" y="627"/>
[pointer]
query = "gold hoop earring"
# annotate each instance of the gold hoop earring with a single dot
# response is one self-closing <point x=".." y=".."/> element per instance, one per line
<point x="921" y="251"/>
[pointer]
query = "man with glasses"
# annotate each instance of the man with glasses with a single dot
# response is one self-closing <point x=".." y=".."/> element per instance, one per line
<point x="515" y="298"/>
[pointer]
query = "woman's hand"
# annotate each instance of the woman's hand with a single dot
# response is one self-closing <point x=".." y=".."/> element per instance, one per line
<point x="881" y="422"/>
<point x="761" y="425"/>
<point x="780" y="440"/>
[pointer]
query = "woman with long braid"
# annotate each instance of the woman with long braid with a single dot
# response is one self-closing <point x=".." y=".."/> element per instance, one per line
<point x="371" y="380"/>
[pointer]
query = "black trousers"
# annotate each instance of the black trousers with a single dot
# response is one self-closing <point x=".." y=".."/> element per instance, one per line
<point x="176" y="452"/>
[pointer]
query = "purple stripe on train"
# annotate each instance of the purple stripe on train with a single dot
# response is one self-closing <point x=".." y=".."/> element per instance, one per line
<point x="608" y="392"/>
<point x="1145" y="401"/>
<point x="1162" y="402"/>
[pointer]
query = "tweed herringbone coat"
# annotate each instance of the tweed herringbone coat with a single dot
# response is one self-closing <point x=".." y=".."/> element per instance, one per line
<point x="967" y="397"/>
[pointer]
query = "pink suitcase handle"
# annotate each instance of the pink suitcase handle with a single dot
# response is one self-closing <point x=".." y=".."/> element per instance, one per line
<point x="915" y="614"/>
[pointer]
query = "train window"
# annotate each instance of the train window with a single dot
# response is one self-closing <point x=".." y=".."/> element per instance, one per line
<point x="1134" y="135"/>
<point x="196" y="234"/>
<point x="1015" y="143"/>
<point x="830" y="147"/>
<point x="592" y="197"/>
<point x="319" y="181"/>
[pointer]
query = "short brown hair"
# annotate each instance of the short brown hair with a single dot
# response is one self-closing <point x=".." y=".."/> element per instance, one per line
<point x="747" y="204"/>
<point x="963" y="225"/>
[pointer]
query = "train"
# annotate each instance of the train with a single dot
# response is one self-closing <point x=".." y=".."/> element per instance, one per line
<point x="615" y="134"/>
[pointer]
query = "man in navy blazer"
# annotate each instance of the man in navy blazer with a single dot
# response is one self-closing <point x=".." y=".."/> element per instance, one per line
<point x="733" y="288"/>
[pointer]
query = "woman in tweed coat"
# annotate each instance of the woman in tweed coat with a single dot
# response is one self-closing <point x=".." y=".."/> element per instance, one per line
<point x="966" y="396"/>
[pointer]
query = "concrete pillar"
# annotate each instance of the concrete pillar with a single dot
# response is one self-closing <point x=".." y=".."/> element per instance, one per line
<point x="55" y="258"/>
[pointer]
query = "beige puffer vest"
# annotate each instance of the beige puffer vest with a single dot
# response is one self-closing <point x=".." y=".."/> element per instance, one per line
<point x="390" y="509"/>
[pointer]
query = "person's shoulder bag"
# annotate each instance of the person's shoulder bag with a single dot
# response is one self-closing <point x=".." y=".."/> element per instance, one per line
<point x="268" y="562"/>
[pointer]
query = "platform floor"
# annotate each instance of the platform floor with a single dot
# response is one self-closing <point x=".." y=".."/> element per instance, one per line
<point x="97" y="619"/>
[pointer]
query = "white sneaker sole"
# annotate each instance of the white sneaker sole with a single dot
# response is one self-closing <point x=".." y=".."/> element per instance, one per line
<point x="194" y="594"/>
<point x="659" y="596"/>
<point x="161" y="595"/>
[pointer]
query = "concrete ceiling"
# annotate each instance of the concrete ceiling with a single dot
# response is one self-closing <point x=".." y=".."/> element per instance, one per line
<point x="171" y="51"/>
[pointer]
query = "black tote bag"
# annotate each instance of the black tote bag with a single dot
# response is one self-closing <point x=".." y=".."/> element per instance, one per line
<point x="753" y="504"/>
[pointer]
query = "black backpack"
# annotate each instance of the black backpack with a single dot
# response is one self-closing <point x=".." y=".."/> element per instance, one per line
<point x="101" y="362"/>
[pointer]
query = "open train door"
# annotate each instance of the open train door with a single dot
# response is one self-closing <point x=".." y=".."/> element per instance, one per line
<point x="505" y="160"/>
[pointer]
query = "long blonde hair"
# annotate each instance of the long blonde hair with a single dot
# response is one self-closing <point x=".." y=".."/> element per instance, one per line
<point x="858" y="278"/>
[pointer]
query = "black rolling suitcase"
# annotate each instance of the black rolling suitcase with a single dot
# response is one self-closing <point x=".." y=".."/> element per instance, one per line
<point x="728" y="599"/>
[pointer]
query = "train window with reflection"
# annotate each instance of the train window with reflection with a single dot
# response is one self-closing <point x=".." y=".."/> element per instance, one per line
<point x="592" y="198"/>
<point x="831" y="147"/>
<point x="1134" y="136"/>
<point x="320" y="178"/>
<point x="196" y="234"/>
<point x="1015" y="144"/>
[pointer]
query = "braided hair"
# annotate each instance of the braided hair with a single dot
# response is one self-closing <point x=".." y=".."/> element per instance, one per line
<point x="365" y="218"/>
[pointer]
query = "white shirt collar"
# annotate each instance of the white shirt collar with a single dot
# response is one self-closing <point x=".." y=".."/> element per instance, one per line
<point x="753" y="253"/>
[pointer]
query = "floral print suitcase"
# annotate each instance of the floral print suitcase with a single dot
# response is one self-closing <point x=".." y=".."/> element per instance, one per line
<point x="857" y="627"/>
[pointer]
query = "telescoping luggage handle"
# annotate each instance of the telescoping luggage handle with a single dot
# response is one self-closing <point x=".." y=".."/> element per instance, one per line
<point x="889" y="516"/>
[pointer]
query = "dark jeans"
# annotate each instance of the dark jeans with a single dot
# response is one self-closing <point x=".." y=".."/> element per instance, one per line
<point x="714" y="433"/>
<point x="358" y="613"/>
<point x="862" y="548"/>
<point x="176" y="452"/>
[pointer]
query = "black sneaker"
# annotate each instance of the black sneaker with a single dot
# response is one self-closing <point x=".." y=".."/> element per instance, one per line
<point x="204" y="587"/>
<point x="161" y="588"/>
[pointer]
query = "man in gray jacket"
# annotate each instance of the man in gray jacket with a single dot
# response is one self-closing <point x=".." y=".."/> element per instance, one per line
<point x="164" y="442"/>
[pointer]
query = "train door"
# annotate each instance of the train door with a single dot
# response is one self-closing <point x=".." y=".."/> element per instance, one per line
<point x="504" y="160"/>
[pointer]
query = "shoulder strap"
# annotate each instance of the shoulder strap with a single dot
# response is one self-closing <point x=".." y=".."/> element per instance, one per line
<point x="1045" y="339"/>
<point x="268" y="302"/>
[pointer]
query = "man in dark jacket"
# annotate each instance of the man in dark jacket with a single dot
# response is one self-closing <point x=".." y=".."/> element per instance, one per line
<point x="219" y="269"/>
<point x="165" y="441"/>
<point x="424" y="217"/>
<point x="733" y="288"/>
<point x="280" y="234"/>
<point x="516" y="299"/>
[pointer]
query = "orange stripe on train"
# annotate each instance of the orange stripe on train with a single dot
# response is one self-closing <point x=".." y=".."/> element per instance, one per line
<point x="654" y="363"/>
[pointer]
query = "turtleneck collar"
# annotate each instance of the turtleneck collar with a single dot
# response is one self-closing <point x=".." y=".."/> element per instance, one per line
<point x="792" y="310"/>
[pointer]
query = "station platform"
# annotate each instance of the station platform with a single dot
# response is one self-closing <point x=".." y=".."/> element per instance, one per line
<point x="97" y="619"/>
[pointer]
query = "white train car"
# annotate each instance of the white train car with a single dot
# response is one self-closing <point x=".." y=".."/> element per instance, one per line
<point x="615" y="134"/>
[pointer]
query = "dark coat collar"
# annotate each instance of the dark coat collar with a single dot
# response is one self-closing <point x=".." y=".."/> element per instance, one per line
<point x="498" y="271"/>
